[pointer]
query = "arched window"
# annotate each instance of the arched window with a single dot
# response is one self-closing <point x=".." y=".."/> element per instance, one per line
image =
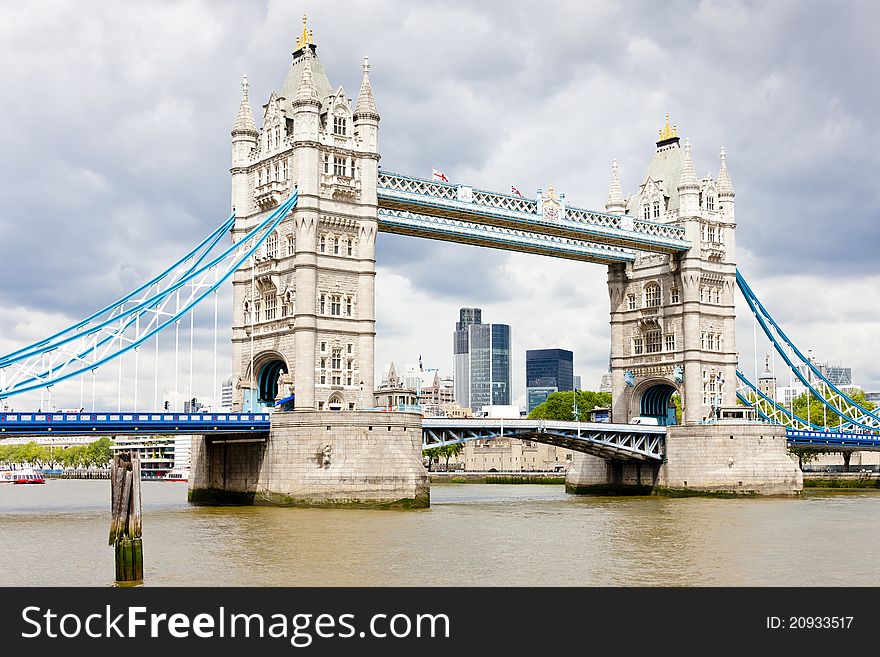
<point x="340" y="124"/>
<point x="631" y="301"/>
<point x="674" y="296"/>
<point x="352" y="167"/>
<point x="350" y="251"/>
<point x="291" y="244"/>
<point x="336" y="246"/>
<point x="335" y="305"/>
<point x="652" y="295"/>
<point x="283" y="169"/>
<point x="646" y="211"/>
<point x="710" y="202"/>
<point x="326" y="163"/>
<point x="323" y="246"/>
<point x="272" y="245"/>
<point x="656" y="209"/>
<point x="336" y="359"/>
<point x="323" y="304"/>
<point x="348" y="306"/>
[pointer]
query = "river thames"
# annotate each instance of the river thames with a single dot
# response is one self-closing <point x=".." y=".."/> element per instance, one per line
<point x="473" y="534"/>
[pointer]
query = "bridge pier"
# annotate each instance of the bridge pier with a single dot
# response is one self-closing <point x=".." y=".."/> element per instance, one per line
<point x="593" y="475"/>
<point x="700" y="459"/>
<point x="358" y="459"/>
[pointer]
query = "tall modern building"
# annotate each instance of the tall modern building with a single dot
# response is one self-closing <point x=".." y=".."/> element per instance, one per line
<point x="481" y="361"/>
<point x="547" y="371"/>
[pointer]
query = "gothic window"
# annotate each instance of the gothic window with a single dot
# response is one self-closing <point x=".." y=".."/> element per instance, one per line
<point x="278" y="136"/>
<point x="656" y="209"/>
<point x="336" y="359"/>
<point x="277" y="172"/>
<point x="323" y="347"/>
<point x="335" y="304"/>
<point x="256" y="311"/>
<point x="248" y="318"/>
<point x="349" y="349"/>
<point x="323" y="305"/>
<point x="652" y="295"/>
<point x="352" y="167"/>
<point x="674" y="295"/>
<point x="716" y="295"/>
<point x="702" y="295"/>
<point x="323" y="246"/>
<point x="348" y="306"/>
<point x="637" y="345"/>
<point x="670" y="342"/>
<point x="326" y="163"/>
<point x="271" y="306"/>
<point x="710" y="341"/>
<point x="272" y="245"/>
<point x="350" y="247"/>
<point x="323" y="363"/>
<point x="336" y="246"/>
<point x="338" y="166"/>
<point x="710" y="202"/>
<point x="339" y="125"/>
<point x="349" y="365"/>
<point x="323" y="381"/>
<point x="283" y="169"/>
<point x="654" y="342"/>
<point x="646" y="211"/>
<point x="337" y="380"/>
<point x="631" y="301"/>
<point x="348" y="381"/>
<point x="291" y="244"/>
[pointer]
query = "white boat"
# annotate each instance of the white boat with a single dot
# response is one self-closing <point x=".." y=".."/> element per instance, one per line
<point x="22" y="476"/>
<point x="177" y="474"/>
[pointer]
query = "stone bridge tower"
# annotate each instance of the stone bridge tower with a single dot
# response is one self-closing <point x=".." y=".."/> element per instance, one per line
<point x="672" y="316"/>
<point x="303" y="315"/>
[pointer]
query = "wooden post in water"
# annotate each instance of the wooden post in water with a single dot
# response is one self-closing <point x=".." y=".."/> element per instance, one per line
<point x="125" y="523"/>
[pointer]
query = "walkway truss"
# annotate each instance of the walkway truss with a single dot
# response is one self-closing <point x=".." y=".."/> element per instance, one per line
<point x="846" y="416"/>
<point x="618" y="442"/>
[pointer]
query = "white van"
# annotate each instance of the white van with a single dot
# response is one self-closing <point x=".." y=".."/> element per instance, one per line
<point x="641" y="419"/>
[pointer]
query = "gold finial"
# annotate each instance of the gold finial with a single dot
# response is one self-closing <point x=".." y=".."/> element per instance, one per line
<point x="668" y="131"/>
<point x="307" y="37"/>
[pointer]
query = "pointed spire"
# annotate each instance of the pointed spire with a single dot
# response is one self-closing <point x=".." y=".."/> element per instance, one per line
<point x="366" y="104"/>
<point x="244" y="122"/>
<point x="688" y="176"/>
<point x="616" y="202"/>
<point x="725" y="188"/>
<point x="306" y="92"/>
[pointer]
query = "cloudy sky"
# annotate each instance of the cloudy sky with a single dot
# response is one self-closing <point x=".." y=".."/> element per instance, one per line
<point x="115" y="153"/>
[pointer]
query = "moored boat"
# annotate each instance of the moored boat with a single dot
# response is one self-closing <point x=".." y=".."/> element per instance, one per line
<point x="177" y="474"/>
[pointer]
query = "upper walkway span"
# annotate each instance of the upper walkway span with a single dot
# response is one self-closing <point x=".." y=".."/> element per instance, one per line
<point x="444" y="211"/>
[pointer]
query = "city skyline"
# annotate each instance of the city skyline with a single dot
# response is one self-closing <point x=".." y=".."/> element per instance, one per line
<point x="135" y="169"/>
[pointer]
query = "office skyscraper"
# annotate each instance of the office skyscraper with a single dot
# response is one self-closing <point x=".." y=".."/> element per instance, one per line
<point x="547" y="371"/>
<point x="481" y="361"/>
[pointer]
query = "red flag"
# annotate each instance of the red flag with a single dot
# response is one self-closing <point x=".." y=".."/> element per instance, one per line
<point x="514" y="190"/>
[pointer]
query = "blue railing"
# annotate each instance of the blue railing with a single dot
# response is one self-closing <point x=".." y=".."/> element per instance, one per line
<point x="35" y="424"/>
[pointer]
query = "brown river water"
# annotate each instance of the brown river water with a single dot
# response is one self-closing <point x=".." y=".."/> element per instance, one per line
<point x="473" y="534"/>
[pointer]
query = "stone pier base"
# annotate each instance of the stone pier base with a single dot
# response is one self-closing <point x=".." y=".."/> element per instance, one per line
<point x="719" y="459"/>
<point x="358" y="459"/>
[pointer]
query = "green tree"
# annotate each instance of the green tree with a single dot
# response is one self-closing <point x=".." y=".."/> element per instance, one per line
<point x="560" y="405"/>
<point x="443" y="451"/>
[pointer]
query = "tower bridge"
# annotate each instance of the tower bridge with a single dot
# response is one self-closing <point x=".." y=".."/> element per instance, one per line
<point x="308" y="201"/>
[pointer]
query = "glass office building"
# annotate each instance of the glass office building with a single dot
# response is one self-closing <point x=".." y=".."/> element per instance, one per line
<point x="481" y="361"/>
<point x="548" y="368"/>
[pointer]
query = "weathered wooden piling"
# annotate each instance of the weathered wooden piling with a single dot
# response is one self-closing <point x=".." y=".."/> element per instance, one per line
<point x="125" y="523"/>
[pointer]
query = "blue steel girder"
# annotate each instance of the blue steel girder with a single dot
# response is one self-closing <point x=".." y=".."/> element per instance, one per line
<point x="609" y="441"/>
<point x="462" y="232"/>
<point x="130" y="424"/>
<point x="425" y="197"/>
<point x="833" y="440"/>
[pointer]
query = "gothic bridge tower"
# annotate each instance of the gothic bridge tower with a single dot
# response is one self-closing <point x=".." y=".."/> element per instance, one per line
<point x="672" y="316"/>
<point x="304" y="312"/>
